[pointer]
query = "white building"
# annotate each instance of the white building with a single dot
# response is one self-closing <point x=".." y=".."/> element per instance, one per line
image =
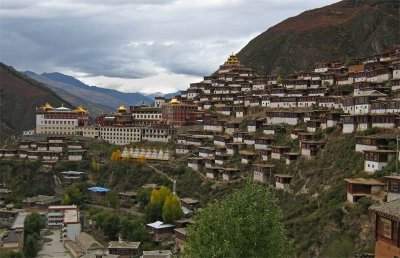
<point x="65" y="217"/>
<point x="376" y="160"/>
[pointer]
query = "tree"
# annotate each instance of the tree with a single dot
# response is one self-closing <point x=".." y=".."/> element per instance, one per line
<point x="172" y="209"/>
<point x="117" y="154"/>
<point x="279" y="80"/>
<point x="112" y="199"/>
<point x="33" y="224"/>
<point x="143" y="196"/>
<point x="133" y="231"/>
<point x="247" y="223"/>
<point x="111" y="226"/>
<point x="10" y="254"/>
<point x="95" y="166"/>
<point x="30" y="247"/>
<point x="75" y="194"/>
<point x="159" y="196"/>
<point x="66" y="200"/>
<point x="153" y="212"/>
<point x="326" y="84"/>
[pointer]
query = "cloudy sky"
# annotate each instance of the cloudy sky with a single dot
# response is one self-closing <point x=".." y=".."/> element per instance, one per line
<point x="135" y="45"/>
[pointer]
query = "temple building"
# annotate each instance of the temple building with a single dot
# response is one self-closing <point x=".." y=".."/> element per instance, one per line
<point x="177" y="114"/>
<point x="61" y="120"/>
<point x="232" y="67"/>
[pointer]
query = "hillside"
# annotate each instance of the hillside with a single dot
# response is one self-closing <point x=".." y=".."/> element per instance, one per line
<point x="63" y="90"/>
<point x="108" y="98"/>
<point x="20" y="96"/>
<point x="350" y="28"/>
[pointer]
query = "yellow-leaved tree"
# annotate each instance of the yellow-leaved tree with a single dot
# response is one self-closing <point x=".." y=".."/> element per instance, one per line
<point x="117" y="154"/>
<point x="159" y="195"/>
<point x="172" y="209"/>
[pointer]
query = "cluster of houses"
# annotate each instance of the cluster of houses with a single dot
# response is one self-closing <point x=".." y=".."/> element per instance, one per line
<point x="213" y="150"/>
<point x="53" y="149"/>
<point x="234" y="87"/>
<point x="351" y="98"/>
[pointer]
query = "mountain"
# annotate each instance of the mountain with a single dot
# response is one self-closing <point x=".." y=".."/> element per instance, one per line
<point x="350" y="28"/>
<point x="20" y="95"/>
<point x="108" y="98"/>
<point x="153" y="95"/>
<point x="157" y="94"/>
<point x="173" y="94"/>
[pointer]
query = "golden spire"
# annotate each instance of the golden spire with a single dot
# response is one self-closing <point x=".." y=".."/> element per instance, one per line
<point x="47" y="106"/>
<point x="174" y="101"/>
<point x="232" y="60"/>
<point x="80" y="109"/>
<point x="122" y="108"/>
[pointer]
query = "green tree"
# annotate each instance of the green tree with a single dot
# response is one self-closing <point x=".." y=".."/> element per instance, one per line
<point x="326" y="84"/>
<point x="279" y="80"/>
<point x="247" y="223"/>
<point x="153" y="212"/>
<point x="33" y="224"/>
<point x="111" y="226"/>
<point x="66" y="200"/>
<point x="133" y="231"/>
<point x="100" y="218"/>
<point x="172" y="209"/>
<point x="143" y="196"/>
<point x="95" y="166"/>
<point x="30" y="247"/>
<point x="10" y="254"/>
<point x="75" y="194"/>
<point x="112" y="199"/>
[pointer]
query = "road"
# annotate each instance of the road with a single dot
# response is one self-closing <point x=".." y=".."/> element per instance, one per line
<point x="54" y="248"/>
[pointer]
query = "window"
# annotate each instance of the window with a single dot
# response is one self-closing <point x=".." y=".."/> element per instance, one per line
<point x="386" y="228"/>
<point x="394" y="187"/>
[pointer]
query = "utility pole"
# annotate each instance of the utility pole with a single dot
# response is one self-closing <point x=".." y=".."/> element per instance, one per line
<point x="174" y="187"/>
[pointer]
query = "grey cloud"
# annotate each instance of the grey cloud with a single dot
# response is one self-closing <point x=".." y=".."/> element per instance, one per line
<point x="134" y="39"/>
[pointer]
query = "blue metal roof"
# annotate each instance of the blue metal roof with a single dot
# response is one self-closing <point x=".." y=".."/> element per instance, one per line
<point x="98" y="189"/>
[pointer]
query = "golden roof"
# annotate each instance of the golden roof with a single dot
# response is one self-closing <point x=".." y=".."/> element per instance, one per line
<point x="80" y="109"/>
<point x="174" y="101"/>
<point x="122" y="108"/>
<point x="232" y="60"/>
<point x="47" y="106"/>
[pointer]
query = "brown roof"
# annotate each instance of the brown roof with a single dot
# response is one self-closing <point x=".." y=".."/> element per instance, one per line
<point x="393" y="177"/>
<point x="264" y="165"/>
<point x="283" y="175"/>
<point x="363" y="181"/>
<point x="389" y="208"/>
<point x="88" y="242"/>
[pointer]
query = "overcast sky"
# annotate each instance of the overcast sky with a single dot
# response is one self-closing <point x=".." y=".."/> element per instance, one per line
<point x="135" y="45"/>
